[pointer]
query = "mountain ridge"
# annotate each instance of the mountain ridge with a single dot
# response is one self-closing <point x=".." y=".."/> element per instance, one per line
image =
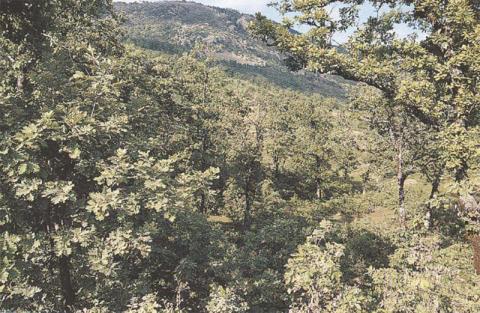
<point x="175" y="27"/>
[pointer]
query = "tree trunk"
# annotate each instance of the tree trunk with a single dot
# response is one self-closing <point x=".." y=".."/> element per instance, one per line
<point x="365" y="178"/>
<point x="401" y="199"/>
<point x="461" y="172"/>
<point x="401" y="177"/>
<point x="318" y="182"/>
<point x="319" y="189"/>
<point x="475" y="240"/>
<point x="276" y="164"/>
<point x="433" y="192"/>
<point x="203" y="208"/>
<point x="66" y="283"/>
<point x="181" y="295"/>
<point x="21" y="82"/>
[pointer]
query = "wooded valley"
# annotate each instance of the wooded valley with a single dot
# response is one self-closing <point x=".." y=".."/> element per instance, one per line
<point x="173" y="157"/>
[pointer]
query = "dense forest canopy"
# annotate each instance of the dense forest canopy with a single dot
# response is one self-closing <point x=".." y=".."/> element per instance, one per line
<point x="135" y="180"/>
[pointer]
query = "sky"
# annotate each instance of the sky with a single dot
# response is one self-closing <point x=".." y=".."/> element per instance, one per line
<point x="244" y="6"/>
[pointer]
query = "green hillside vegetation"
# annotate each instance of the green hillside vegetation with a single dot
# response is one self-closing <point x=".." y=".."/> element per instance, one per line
<point x="139" y="180"/>
<point x="178" y="26"/>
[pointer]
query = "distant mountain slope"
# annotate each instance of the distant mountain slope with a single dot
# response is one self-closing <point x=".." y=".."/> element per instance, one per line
<point x="176" y="26"/>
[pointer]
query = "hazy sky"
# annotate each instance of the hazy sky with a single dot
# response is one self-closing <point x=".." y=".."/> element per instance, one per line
<point x="247" y="6"/>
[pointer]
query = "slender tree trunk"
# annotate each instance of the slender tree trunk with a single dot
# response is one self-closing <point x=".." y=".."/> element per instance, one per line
<point x="401" y="200"/>
<point x="475" y="241"/>
<point x="203" y="208"/>
<point x="401" y="177"/>
<point x="181" y="293"/>
<point x="318" y="182"/>
<point x="319" y="189"/>
<point x="276" y="164"/>
<point x="66" y="283"/>
<point x="20" y="83"/>
<point x="365" y="178"/>
<point x="433" y="192"/>
<point x="461" y="172"/>
<point x="62" y="263"/>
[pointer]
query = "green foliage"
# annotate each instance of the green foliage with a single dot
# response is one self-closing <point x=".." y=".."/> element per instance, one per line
<point x="422" y="277"/>
<point x="225" y="301"/>
<point x="314" y="276"/>
<point x="137" y="182"/>
<point x="429" y="75"/>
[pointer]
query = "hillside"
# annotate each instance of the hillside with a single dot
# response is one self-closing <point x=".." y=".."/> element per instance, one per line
<point x="177" y="26"/>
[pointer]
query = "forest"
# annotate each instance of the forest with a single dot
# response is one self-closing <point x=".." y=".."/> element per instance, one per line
<point x="133" y="180"/>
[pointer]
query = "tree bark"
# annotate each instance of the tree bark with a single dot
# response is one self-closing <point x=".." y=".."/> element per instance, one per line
<point x="433" y="192"/>
<point x="66" y="283"/>
<point x="203" y="208"/>
<point x="20" y="83"/>
<point x="401" y="200"/>
<point x="319" y="189"/>
<point x="276" y="165"/>
<point x="475" y="240"/>
<point x="365" y="178"/>
<point x="318" y="181"/>
<point x="401" y="177"/>
<point x="461" y="172"/>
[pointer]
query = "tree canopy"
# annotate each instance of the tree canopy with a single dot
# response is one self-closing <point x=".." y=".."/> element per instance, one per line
<point x="135" y="181"/>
